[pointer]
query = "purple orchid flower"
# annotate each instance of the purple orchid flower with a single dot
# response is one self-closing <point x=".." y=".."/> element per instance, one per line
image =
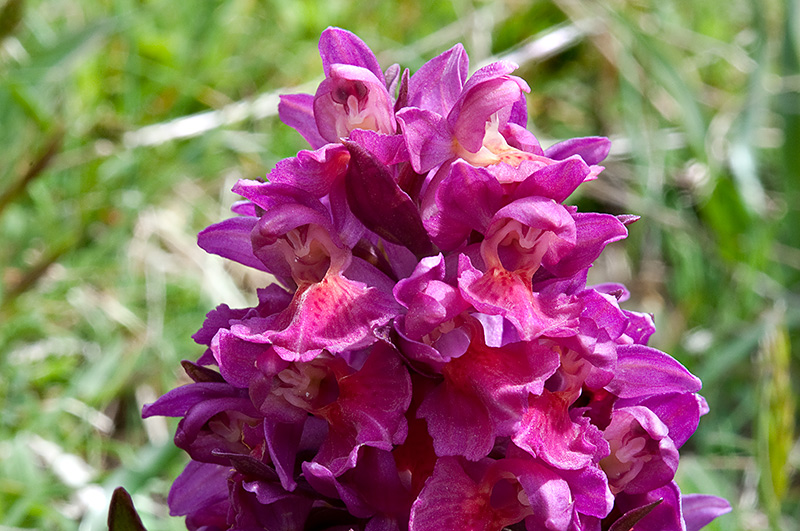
<point x="354" y="95"/>
<point x="430" y="356"/>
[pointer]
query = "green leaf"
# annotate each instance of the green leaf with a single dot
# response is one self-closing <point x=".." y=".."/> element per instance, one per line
<point x="122" y="515"/>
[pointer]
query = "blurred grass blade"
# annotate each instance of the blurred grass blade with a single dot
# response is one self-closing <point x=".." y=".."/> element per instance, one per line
<point x="742" y="152"/>
<point x="663" y="71"/>
<point x="788" y="104"/>
<point x="55" y="62"/>
<point x="775" y="428"/>
<point x="122" y="515"/>
<point x="35" y="169"/>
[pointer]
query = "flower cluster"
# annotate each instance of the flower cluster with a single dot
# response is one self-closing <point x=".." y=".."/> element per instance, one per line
<point x="430" y="357"/>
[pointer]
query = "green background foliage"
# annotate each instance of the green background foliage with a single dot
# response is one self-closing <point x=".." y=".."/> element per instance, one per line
<point x="124" y="124"/>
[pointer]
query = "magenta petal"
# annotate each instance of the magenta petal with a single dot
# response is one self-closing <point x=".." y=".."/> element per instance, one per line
<point x="503" y="378"/>
<point x="429" y="300"/>
<point x="338" y="46"/>
<point x="236" y="358"/>
<point x="518" y="137"/>
<point x="370" y="410"/>
<point x="271" y="195"/>
<point x="488" y="495"/>
<point x="640" y="327"/>
<point x="549" y="432"/>
<point x="428" y="138"/>
<point x="297" y="111"/>
<point x="477" y="104"/>
<point x="492" y="71"/>
<point x="679" y="411"/>
<point x="444" y="503"/>
<point x="592" y="149"/>
<point x="644" y="371"/>
<point x="549" y="497"/>
<point x="590" y="490"/>
<point x="388" y="149"/>
<point x="468" y="197"/>
<point x="336" y="314"/>
<point x="458" y="422"/>
<point x="219" y="317"/>
<point x="700" y="509"/>
<point x="594" y="232"/>
<point x="437" y="85"/>
<point x="499" y="292"/>
<point x="178" y="401"/>
<point x="643" y="457"/>
<point x="351" y="98"/>
<point x="312" y="171"/>
<point x="556" y="181"/>
<point x="231" y="239"/>
<point x="429" y="269"/>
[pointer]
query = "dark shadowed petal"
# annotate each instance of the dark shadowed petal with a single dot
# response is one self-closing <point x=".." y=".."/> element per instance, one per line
<point x="326" y="482"/>
<point x="468" y="198"/>
<point x="379" y="203"/>
<point x="249" y="513"/>
<point x="666" y="516"/>
<point x="198" y="486"/>
<point x="282" y="441"/>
